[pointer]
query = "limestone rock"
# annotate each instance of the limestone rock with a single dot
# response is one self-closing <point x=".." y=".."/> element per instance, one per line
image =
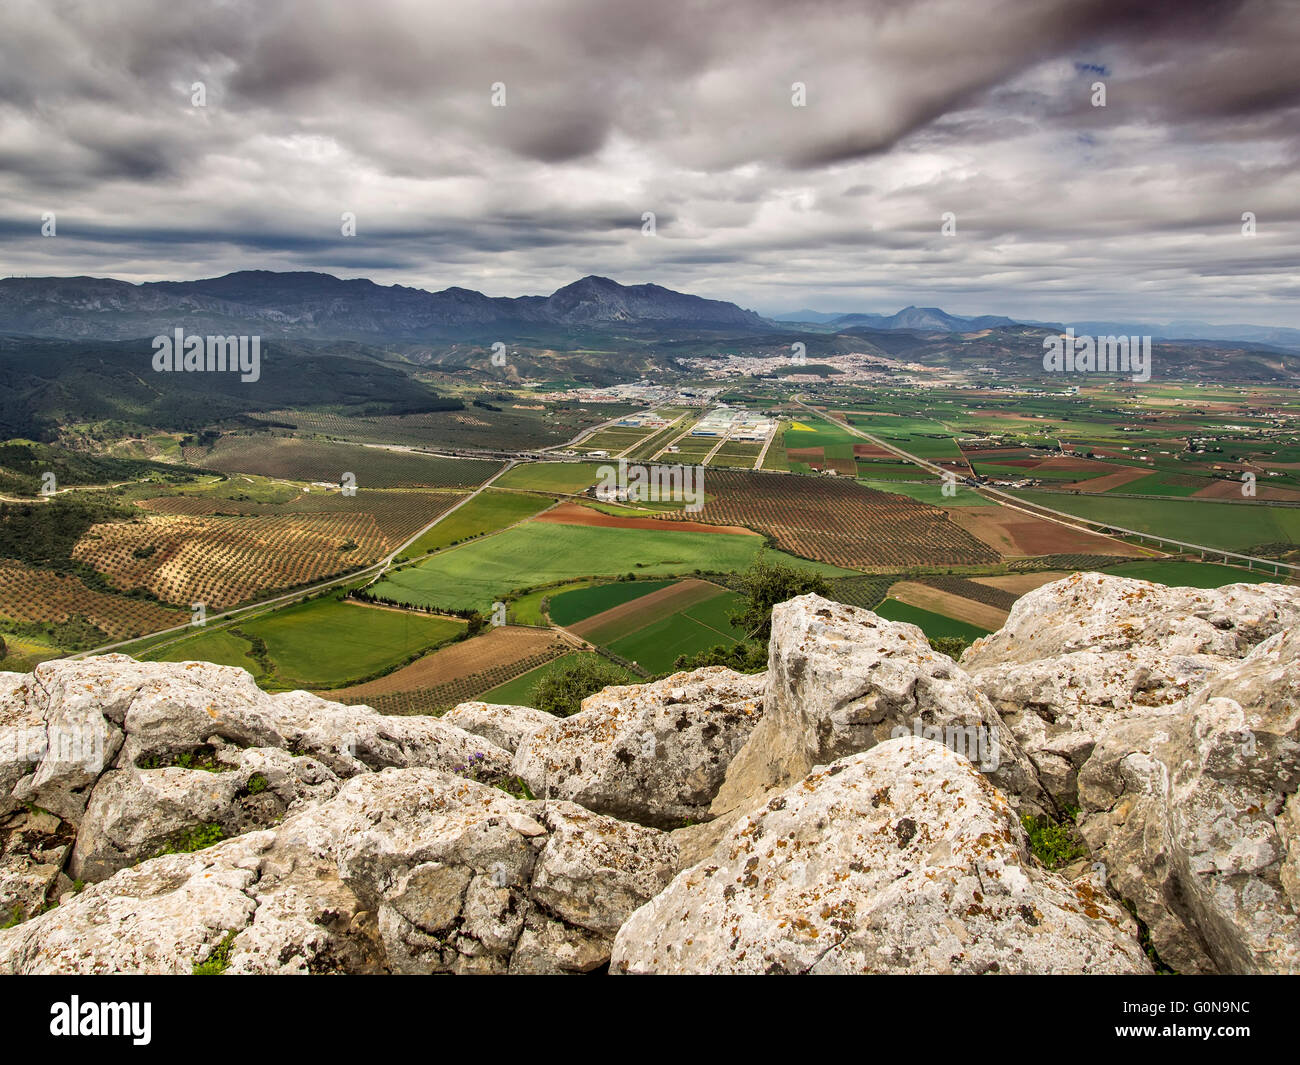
<point x="1100" y="613"/>
<point x="653" y="753"/>
<point x="1190" y="816"/>
<point x="135" y="814"/>
<point x="457" y="872"/>
<point x="34" y="845"/>
<point x="357" y="739"/>
<point x="506" y="726"/>
<point x="841" y="679"/>
<point x="901" y="859"/>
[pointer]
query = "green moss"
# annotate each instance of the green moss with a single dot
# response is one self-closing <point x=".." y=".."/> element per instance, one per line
<point x="219" y="960"/>
<point x="196" y="839"/>
<point x="1054" y="843"/>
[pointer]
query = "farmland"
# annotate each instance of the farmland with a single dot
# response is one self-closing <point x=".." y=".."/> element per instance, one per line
<point x="320" y="643"/>
<point x="222" y="561"/>
<point x="839" y="522"/>
<point x="932" y="624"/>
<point x="651" y="623"/>
<point x="297" y="459"/>
<point x="519" y="691"/>
<point x="490" y="511"/>
<point x="476" y="574"/>
<point x="460" y="671"/>
<point x="31" y="595"/>
<point x="1231" y="526"/>
<point x="130" y="557"/>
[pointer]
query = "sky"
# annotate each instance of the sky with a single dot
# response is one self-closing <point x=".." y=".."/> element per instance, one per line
<point x="793" y="154"/>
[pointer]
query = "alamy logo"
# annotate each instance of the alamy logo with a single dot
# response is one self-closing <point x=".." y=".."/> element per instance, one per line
<point x="79" y="1018"/>
<point x="1066" y="353"/>
<point x="651" y="484"/>
<point x="214" y="354"/>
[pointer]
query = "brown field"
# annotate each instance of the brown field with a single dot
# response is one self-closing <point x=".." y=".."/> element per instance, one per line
<point x="1074" y="464"/>
<point x="1013" y="533"/>
<point x="619" y="621"/>
<point x="949" y="604"/>
<point x="457" y="672"/>
<point x="1020" y="583"/>
<point x="872" y="451"/>
<point x="223" y="561"/>
<point x="814" y="456"/>
<point x="837" y="520"/>
<point x="32" y="595"/>
<point x="1107" y="481"/>
<point x="576" y="514"/>
<point x="1232" y="490"/>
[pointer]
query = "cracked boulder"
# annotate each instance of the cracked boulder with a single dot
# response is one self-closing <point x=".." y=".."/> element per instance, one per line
<point x="901" y="859"/>
<point x="466" y="879"/>
<point x="405" y="870"/>
<point x="136" y="814"/>
<point x="840" y="680"/>
<point x="1192" y="815"/>
<point x="653" y="753"/>
<point x="1083" y="654"/>
<point x="506" y="726"/>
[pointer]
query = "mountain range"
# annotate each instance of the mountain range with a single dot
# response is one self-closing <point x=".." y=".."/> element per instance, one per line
<point x="317" y="306"/>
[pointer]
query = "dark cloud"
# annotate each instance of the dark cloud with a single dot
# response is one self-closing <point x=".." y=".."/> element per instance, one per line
<point x="684" y="108"/>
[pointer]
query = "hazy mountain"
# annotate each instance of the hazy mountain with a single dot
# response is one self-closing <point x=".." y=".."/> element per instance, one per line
<point x="925" y="319"/>
<point x="316" y="305"/>
<point x="1267" y="335"/>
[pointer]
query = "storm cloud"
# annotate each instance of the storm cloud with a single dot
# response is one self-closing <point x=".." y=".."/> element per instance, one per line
<point x="792" y="153"/>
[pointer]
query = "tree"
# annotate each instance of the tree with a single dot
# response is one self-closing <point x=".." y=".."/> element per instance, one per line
<point x="562" y="690"/>
<point x="767" y="583"/>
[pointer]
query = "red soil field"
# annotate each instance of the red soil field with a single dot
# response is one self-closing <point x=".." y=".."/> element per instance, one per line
<point x="1013" y="532"/>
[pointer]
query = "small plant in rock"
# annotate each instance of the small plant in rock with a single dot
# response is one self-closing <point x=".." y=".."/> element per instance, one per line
<point x="1054" y="843"/>
<point x="470" y="769"/>
<point x="516" y="787"/>
<point x="197" y="838"/>
<point x="257" y="784"/>
<point x="219" y="960"/>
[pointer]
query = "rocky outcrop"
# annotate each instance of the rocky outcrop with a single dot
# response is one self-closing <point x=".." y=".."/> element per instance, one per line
<point x="654" y="753"/>
<point x="1080" y="656"/>
<point x="1192" y="815"/>
<point x="506" y="726"/>
<point x="137" y="758"/>
<point x="857" y="808"/>
<point x="841" y="679"/>
<point x="901" y="859"/>
<point x="406" y="870"/>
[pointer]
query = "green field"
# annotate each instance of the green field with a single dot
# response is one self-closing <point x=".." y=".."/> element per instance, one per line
<point x="519" y="692"/>
<point x="487" y="512"/>
<point x="322" y="643"/>
<point x="1190" y="574"/>
<point x="931" y="493"/>
<point x="563" y="477"/>
<point x="220" y="646"/>
<point x="570" y="607"/>
<point x="1230" y="526"/>
<point x="932" y="624"/>
<point x="476" y="574"/>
